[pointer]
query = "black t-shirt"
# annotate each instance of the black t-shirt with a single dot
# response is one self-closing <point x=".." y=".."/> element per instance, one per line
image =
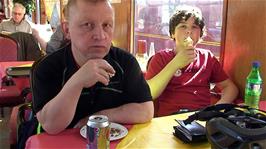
<point x="127" y="86"/>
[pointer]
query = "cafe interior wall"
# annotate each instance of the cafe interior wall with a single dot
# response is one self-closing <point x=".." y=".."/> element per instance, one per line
<point x="244" y="40"/>
<point x="122" y="23"/>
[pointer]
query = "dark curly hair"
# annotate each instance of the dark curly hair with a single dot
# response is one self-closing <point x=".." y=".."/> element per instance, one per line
<point x="183" y="13"/>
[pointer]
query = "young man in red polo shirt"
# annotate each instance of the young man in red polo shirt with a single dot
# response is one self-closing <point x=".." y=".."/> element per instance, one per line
<point x="180" y="78"/>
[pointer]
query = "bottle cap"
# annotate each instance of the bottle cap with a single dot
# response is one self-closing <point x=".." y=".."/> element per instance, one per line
<point x="256" y="64"/>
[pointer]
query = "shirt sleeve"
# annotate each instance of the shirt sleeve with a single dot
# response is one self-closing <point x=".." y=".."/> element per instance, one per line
<point x="218" y="74"/>
<point x="155" y="65"/>
<point x="136" y="87"/>
<point x="47" y="83"/>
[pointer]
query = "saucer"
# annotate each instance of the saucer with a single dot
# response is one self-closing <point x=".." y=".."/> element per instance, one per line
<point x="117" y="131"/>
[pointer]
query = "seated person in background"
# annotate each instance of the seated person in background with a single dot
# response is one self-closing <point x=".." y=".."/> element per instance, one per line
<point x="56" y="41"/>
<point x="89" y="76"/>
<point x="180" y="78"/>
<point x="17" y="23"/>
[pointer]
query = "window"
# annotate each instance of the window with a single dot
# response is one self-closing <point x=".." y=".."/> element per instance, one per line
<point x="151" y="22"/>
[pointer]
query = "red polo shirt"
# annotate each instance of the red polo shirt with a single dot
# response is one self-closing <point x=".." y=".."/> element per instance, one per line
<point x="190" y="87"/>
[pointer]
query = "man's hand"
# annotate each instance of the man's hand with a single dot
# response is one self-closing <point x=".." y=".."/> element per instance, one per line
<point x="93" y="71"/>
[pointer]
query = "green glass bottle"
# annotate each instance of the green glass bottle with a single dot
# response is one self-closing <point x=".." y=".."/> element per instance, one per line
<point x="253" y="86"/>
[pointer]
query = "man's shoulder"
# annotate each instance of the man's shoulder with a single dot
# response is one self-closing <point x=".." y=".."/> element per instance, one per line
<point x="60" y="52"/>
<point x="52" y="62"/>
<point x="118" y="52"/>
<point x="26" y="23"/>
<point x="6" y="21"/>
<point x="123" y="57"/>
<point x="58" y="55"/>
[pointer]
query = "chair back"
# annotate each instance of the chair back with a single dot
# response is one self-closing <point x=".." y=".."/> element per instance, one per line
<point x="9" y="48"/>
<point x="29" y="48"/>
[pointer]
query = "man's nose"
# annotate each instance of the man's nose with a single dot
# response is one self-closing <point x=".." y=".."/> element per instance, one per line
<point x="98" y="33"/>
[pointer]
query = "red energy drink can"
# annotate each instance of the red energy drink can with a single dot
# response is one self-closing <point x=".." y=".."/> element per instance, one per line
<point x="98" y="132"/>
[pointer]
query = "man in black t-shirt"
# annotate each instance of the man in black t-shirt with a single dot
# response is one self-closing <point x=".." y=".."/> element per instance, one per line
<point x="88" y="76"/>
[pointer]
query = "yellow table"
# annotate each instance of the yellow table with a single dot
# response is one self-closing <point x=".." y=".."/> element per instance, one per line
<point x="158" y="134"/>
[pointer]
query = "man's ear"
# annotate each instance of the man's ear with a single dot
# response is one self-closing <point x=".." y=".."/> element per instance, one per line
<point x="65" y="28"/>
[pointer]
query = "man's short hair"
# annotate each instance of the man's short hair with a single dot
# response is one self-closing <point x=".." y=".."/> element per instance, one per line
<point x="183" y="13"/>
<point x="71" y="3"/>
<point x="18" y="5"/>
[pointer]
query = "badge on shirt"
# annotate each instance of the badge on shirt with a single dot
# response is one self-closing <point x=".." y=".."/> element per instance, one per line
<point x="178" y="73"/>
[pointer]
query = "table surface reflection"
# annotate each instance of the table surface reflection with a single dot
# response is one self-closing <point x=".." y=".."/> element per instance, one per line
<point x="156" y="134"/>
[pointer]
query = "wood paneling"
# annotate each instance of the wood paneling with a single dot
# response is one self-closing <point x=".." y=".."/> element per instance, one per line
<point x="122" y="24"/>
<point x="43" y="13"/>
<point x="245" y="40"/>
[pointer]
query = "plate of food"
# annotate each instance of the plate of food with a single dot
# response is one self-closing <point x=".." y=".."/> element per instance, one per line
<point x="117" y="131"/>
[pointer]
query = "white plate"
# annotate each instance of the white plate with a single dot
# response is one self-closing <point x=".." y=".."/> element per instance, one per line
<point x="117" y="131"/>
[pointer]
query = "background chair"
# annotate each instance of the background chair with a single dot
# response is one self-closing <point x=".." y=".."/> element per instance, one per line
<point x="12" y="94"/>
<point x="8" y="52"/>
<point x="9" y="48"/>
<point x="30" y="50"/>
<point x="23" y="112"/>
